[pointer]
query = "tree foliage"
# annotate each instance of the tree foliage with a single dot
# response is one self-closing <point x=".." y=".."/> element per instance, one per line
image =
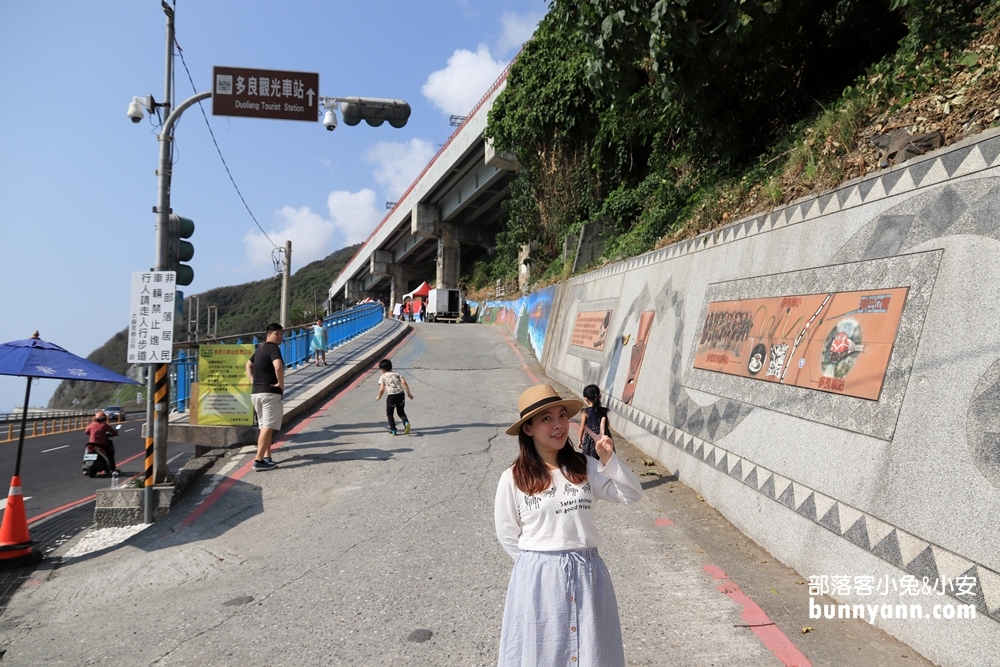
<point x="631" y="112"/>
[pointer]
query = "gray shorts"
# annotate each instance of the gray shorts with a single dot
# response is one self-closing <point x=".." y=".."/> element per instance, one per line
<point x="269" y="410"/>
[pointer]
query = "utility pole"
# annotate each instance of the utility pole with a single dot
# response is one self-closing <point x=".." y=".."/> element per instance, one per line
<point x="158" y="401"/>
<point x="286" y="274"/>
<point x="158" y="386"/>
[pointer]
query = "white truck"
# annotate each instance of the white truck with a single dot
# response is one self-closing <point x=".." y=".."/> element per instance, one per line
<point x="444" y="305"/>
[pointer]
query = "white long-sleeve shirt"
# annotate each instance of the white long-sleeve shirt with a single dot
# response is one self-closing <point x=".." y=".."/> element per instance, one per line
<point x="561" y="517"/>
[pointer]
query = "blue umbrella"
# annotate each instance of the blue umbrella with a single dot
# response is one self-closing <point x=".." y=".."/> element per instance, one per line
<point x="35" y="358"/>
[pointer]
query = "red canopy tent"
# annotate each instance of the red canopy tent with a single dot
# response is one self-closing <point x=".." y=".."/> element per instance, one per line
<point x="421" y="291"/>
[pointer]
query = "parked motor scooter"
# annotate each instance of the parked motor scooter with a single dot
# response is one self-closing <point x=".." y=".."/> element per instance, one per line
<point x="95" y="459"/>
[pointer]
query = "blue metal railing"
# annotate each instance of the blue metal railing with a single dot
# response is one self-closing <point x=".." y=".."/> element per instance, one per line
<point x="341" y="327"/>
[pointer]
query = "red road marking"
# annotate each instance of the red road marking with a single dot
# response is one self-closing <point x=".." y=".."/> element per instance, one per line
<point x="60" y="509"/>
<point x="774" y="639"/>
<point x="520" y="358"/>
<point x="239" y="474"/>
<point x="662" y="521"/>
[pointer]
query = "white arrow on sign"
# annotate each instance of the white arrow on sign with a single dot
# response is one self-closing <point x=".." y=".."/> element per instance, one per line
<point x="309" y="94"/>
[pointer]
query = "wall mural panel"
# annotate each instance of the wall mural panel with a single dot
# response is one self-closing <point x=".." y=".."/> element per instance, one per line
<point x="526" y="318"/>
<point x="590" y="331"/>
<point x="873" y="412"/>
<point x="839" y="342"/>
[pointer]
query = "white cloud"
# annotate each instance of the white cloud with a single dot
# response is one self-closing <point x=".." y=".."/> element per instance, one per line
<point x="459" y="86"/>
<point x="397" y="164"/>
<point x="354" y="214"/>
<point x="517" y="29"/>
<point x="311" y="236"/>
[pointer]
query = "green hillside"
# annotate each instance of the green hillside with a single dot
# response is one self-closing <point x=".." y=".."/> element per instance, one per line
<point x="663" y="120"/>
<point x="243" y="309"/>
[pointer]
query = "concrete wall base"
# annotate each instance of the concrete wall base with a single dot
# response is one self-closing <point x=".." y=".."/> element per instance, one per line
<point x="205" y="438"/>
<point x="125" y="506"/>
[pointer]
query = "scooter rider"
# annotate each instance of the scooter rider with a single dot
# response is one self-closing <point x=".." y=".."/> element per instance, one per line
<point x="100" y="433"/>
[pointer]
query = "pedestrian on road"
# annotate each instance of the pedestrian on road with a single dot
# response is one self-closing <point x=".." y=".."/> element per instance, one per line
<point x="560" y="601"/>
<point x="318" y="343"/>
<point x="266" y="370"/>
<point x="423" y="310"/>
<point x="99" y="432"/>
<point x="590" y="420"/>
<point x="395" y="385"/>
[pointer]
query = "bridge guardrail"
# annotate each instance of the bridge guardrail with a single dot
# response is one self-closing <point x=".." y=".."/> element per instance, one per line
<point x="44" y="423"/>
<point x="341" y="327"/>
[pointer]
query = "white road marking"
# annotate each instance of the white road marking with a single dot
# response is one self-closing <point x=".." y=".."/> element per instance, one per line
<point x="44" y="451"/>
<point x="3" y="503"/>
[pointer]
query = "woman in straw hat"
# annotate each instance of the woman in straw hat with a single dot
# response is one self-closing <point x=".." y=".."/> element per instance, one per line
<point x="561" y="606"/>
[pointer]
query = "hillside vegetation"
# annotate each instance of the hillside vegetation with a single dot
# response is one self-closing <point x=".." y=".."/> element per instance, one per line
<point x="243" y="309"/>
<point x="664" y="119"/>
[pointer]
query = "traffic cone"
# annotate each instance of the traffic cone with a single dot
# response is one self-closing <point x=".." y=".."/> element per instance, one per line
<point x="15" y="541"/>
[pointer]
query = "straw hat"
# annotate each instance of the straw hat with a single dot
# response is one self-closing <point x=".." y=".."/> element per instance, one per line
<point x="538" y="398"/>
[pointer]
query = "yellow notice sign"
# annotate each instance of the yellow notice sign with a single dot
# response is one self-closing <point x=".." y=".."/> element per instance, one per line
<point x="223" y="387"/>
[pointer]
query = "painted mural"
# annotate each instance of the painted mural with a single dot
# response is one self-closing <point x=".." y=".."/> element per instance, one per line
<point x="839" y="342"/>
<point x="526" y="318"/>
<point x="638" y="352"/>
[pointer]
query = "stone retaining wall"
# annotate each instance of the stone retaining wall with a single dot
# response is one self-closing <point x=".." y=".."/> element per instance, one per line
<point x="902" y="486"/>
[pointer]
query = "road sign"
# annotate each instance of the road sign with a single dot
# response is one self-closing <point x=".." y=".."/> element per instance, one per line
<point x="265" y="93"/>
<point x="151" y="317"/>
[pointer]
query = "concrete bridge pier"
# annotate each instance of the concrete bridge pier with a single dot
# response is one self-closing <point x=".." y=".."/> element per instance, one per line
<point x="426" y="221"/>
<point x="383" y="264"/>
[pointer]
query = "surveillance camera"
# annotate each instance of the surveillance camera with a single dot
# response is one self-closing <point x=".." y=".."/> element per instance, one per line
<point x="330" y="121"/>
<point x="135" y="112"/>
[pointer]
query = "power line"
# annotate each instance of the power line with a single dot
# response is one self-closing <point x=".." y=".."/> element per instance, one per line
<point x="180" y="52"/>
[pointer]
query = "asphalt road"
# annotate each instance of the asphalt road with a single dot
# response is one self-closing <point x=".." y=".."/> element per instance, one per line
<point x="51" y="466"/>
<point x="362" y="548"/>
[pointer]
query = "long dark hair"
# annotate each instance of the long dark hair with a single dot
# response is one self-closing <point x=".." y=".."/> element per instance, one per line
<point x="593" y="394"/>
<point x="530" y="474"/>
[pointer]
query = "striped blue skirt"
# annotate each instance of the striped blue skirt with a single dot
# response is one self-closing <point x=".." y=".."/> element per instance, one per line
<point x="561" y="611"/>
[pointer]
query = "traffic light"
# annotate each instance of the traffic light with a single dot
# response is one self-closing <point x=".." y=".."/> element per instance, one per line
<point x="179" y="250"/>
<point x="374" y="111"/>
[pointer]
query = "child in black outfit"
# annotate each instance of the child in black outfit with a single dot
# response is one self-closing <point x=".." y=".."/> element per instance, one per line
<point x="395" y="385"/>
<point x="590" y="421"/>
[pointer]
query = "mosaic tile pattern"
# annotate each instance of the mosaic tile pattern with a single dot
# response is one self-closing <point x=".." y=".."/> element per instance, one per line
<point x="966" y="158"/>
<point x="893" y="545"/>
<point x="971" y="206"/>
<point x="983" y="424"/>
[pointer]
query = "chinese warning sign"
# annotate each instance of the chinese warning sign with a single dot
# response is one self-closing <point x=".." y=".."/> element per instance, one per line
<point x="265" y="93"/>
<point x="838" y="342"/>
<point x="151" y="317"/>
<point x="223" y="386"/>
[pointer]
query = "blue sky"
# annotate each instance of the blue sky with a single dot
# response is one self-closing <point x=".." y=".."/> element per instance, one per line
<point x="77" y="178"/>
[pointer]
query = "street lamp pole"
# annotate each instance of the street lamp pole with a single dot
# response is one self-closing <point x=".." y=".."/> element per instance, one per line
<point x="158" y="387"/>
